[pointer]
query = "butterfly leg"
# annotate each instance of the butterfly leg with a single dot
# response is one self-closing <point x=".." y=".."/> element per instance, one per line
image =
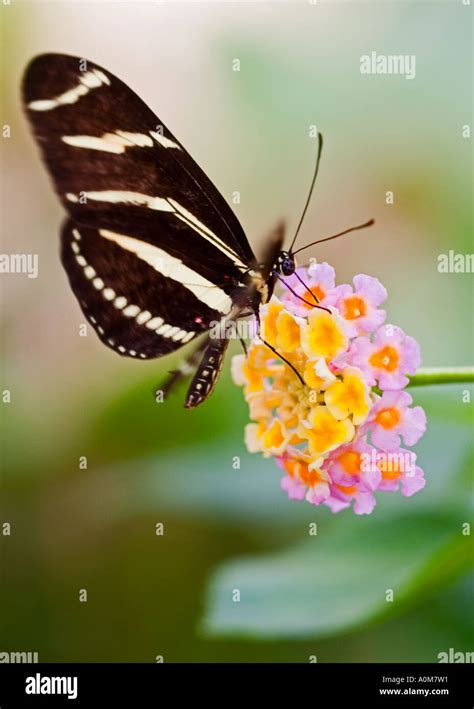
<point x="244" y="346"/>
<point x="184" y="370"/>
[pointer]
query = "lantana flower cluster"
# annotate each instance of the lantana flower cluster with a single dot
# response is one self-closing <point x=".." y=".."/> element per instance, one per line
<point x="340" y="436"/>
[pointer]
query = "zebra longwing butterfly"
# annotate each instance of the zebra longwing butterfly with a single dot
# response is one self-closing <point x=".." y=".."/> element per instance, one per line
<point x="153" y="252"/>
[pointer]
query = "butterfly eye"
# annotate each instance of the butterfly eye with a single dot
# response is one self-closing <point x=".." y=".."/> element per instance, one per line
<point x="288" y="266"/>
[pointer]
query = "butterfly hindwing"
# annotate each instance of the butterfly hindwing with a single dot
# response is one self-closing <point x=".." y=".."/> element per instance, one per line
<point x="134" y="308"/>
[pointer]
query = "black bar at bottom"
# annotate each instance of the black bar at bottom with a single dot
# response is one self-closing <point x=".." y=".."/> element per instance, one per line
<point x="155" y="685"/>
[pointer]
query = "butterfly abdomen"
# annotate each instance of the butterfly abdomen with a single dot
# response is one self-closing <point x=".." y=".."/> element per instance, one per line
<point x="207" y="373"/>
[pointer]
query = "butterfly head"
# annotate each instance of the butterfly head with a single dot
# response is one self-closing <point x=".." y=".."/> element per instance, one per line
<point x="286" y="264"/>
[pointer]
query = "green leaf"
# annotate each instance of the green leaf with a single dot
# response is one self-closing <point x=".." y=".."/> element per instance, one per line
<point x="338" y="580"/>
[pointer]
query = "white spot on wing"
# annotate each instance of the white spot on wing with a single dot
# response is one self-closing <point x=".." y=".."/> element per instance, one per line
<point x="131" y="310"/>
<point x="164" y="329"/>
<point x="143" y="317"/>
<point x="120" y="302"/>
<point x="163" y="141"/>
<point x="174" y="330"/>
<point x="123" y="196"/>
<point x="155" y="323"/>
<point x="139" y="139"/>
<point x="109" y="142"/>
<point x="88" y="81"/>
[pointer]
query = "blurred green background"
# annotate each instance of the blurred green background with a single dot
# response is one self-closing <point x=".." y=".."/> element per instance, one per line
<point x="226" y="529"/>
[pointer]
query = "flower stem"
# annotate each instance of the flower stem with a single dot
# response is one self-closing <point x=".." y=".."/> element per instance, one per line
<point x="439" y="375"/>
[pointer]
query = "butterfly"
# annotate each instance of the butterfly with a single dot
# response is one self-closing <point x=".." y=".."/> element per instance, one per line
<point x="153" y="252"/>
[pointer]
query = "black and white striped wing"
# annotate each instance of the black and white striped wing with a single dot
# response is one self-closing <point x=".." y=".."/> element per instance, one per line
<point x="150" y="240"/>
<point x="135" y="309"/>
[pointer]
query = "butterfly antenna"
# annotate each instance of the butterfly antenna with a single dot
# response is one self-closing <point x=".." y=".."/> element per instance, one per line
<point x="313" y="182"/>
<point x="334" y="236"/>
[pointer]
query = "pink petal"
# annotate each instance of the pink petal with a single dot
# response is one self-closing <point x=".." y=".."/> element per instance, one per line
<point x="383" y="439"/>
<point x="370" y="288"/>
<point x="411" y="485"/>
<point x="414" y="425"/>
<point x="364" y="503"/>
<point x="336" y="505"/>
<point x="294" y="489"/>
